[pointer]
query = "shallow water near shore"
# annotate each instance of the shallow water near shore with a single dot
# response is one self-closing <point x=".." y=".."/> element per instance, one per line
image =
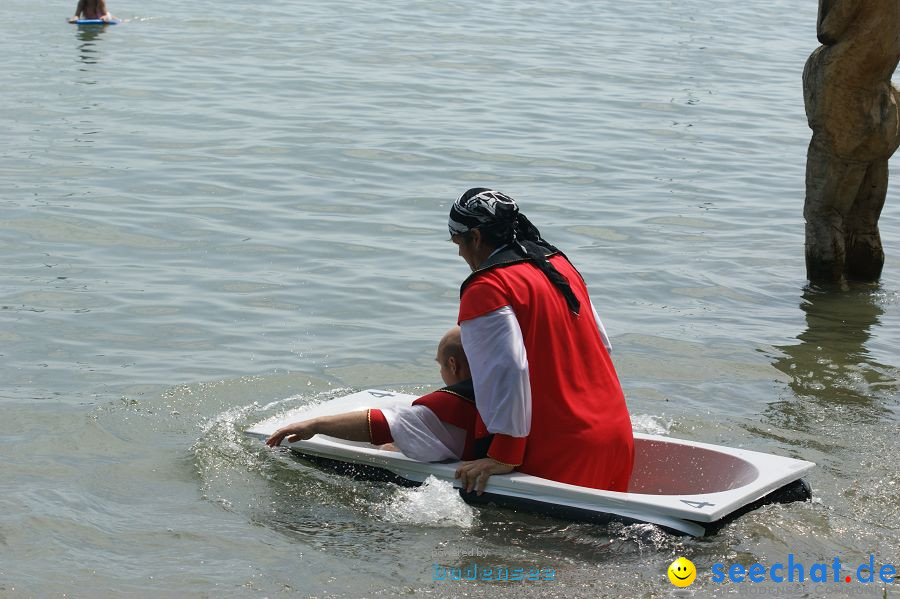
<point x="211" y="216"/>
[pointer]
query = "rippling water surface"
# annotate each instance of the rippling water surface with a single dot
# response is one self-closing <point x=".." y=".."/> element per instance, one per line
<point x="215" y="212"/>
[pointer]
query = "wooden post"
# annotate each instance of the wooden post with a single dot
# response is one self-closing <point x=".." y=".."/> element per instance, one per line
<point x="854" y="113"/>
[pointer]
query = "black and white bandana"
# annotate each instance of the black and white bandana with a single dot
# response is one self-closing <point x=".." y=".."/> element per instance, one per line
<point x="480" y="206"/>
<point x="489" y="210"/>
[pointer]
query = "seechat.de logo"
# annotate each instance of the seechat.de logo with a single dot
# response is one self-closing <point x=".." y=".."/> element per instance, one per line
<point x="682" y="572"/>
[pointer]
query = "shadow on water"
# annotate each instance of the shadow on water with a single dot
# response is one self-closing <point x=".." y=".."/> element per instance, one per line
<point x="831" y="371"/>
<point x="88" y="36"/>
<point x="839" y="410"/>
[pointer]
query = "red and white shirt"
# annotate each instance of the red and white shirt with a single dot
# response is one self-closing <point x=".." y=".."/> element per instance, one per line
<point x="439" y="426"/>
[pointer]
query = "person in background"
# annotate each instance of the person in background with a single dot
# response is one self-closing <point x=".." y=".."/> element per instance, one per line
<point x="545" y="385"/>
<point x="91" y="9"/>
<point x="439" y="426"/>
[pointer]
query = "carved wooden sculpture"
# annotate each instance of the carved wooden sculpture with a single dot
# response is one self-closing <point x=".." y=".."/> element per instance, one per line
<point x="852" y="109"/>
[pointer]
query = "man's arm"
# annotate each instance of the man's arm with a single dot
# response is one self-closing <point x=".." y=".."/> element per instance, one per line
<point x="496" y="353"/>
<point x="603" y="336"/>
<point x="105" y="15"/>
<point x="79" y="8"/>
<point x="352" y="426"/>
<point x="495" y="349"/>
<point x="413" y="430"/>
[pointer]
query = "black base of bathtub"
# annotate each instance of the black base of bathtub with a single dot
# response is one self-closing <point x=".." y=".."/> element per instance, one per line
<point x="797" y="490"/>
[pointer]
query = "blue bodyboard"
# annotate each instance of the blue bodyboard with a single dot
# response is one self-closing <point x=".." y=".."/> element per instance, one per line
<point x="97" y="22"/>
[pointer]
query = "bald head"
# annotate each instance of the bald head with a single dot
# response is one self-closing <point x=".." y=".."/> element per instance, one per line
<point x="452" y="358"/>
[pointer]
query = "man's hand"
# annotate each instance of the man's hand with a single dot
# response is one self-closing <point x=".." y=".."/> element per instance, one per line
<point x="475" y="474"/>
<point x="298" y="431"/>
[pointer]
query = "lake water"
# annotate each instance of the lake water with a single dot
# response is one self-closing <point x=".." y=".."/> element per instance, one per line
<point x="213" y="212"/>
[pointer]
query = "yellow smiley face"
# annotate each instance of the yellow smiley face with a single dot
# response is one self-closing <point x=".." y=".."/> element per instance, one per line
<point x="682" y="572"/>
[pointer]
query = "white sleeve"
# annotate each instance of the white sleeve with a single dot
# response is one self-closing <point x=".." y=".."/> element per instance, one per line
<point x="422" y="436"/>
<point x="600" y="326"/>
<point x="496" y="352"/>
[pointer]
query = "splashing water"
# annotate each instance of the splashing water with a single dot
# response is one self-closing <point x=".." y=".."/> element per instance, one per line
<point x="435" y="503"/>
<point x="652" y="425"/>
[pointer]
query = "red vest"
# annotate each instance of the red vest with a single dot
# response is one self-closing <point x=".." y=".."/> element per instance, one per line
<point x="580" y="428"/>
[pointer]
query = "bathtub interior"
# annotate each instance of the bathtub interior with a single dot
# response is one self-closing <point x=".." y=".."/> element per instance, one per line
<point x="665" y="468"/>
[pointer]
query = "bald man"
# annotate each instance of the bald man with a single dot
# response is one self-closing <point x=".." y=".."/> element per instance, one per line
<point x="442" y="425"/>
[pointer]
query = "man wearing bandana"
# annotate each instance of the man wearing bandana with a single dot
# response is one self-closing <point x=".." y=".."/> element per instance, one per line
<point x="545" y="386"/>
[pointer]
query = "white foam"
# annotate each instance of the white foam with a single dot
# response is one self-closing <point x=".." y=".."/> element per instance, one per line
<point x="651" y="425"/>
<point x="435" y="503"/>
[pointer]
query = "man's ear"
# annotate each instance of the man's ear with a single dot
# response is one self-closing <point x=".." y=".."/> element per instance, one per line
<point x="476" y="237"/>
<point x="452" y="364"/>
